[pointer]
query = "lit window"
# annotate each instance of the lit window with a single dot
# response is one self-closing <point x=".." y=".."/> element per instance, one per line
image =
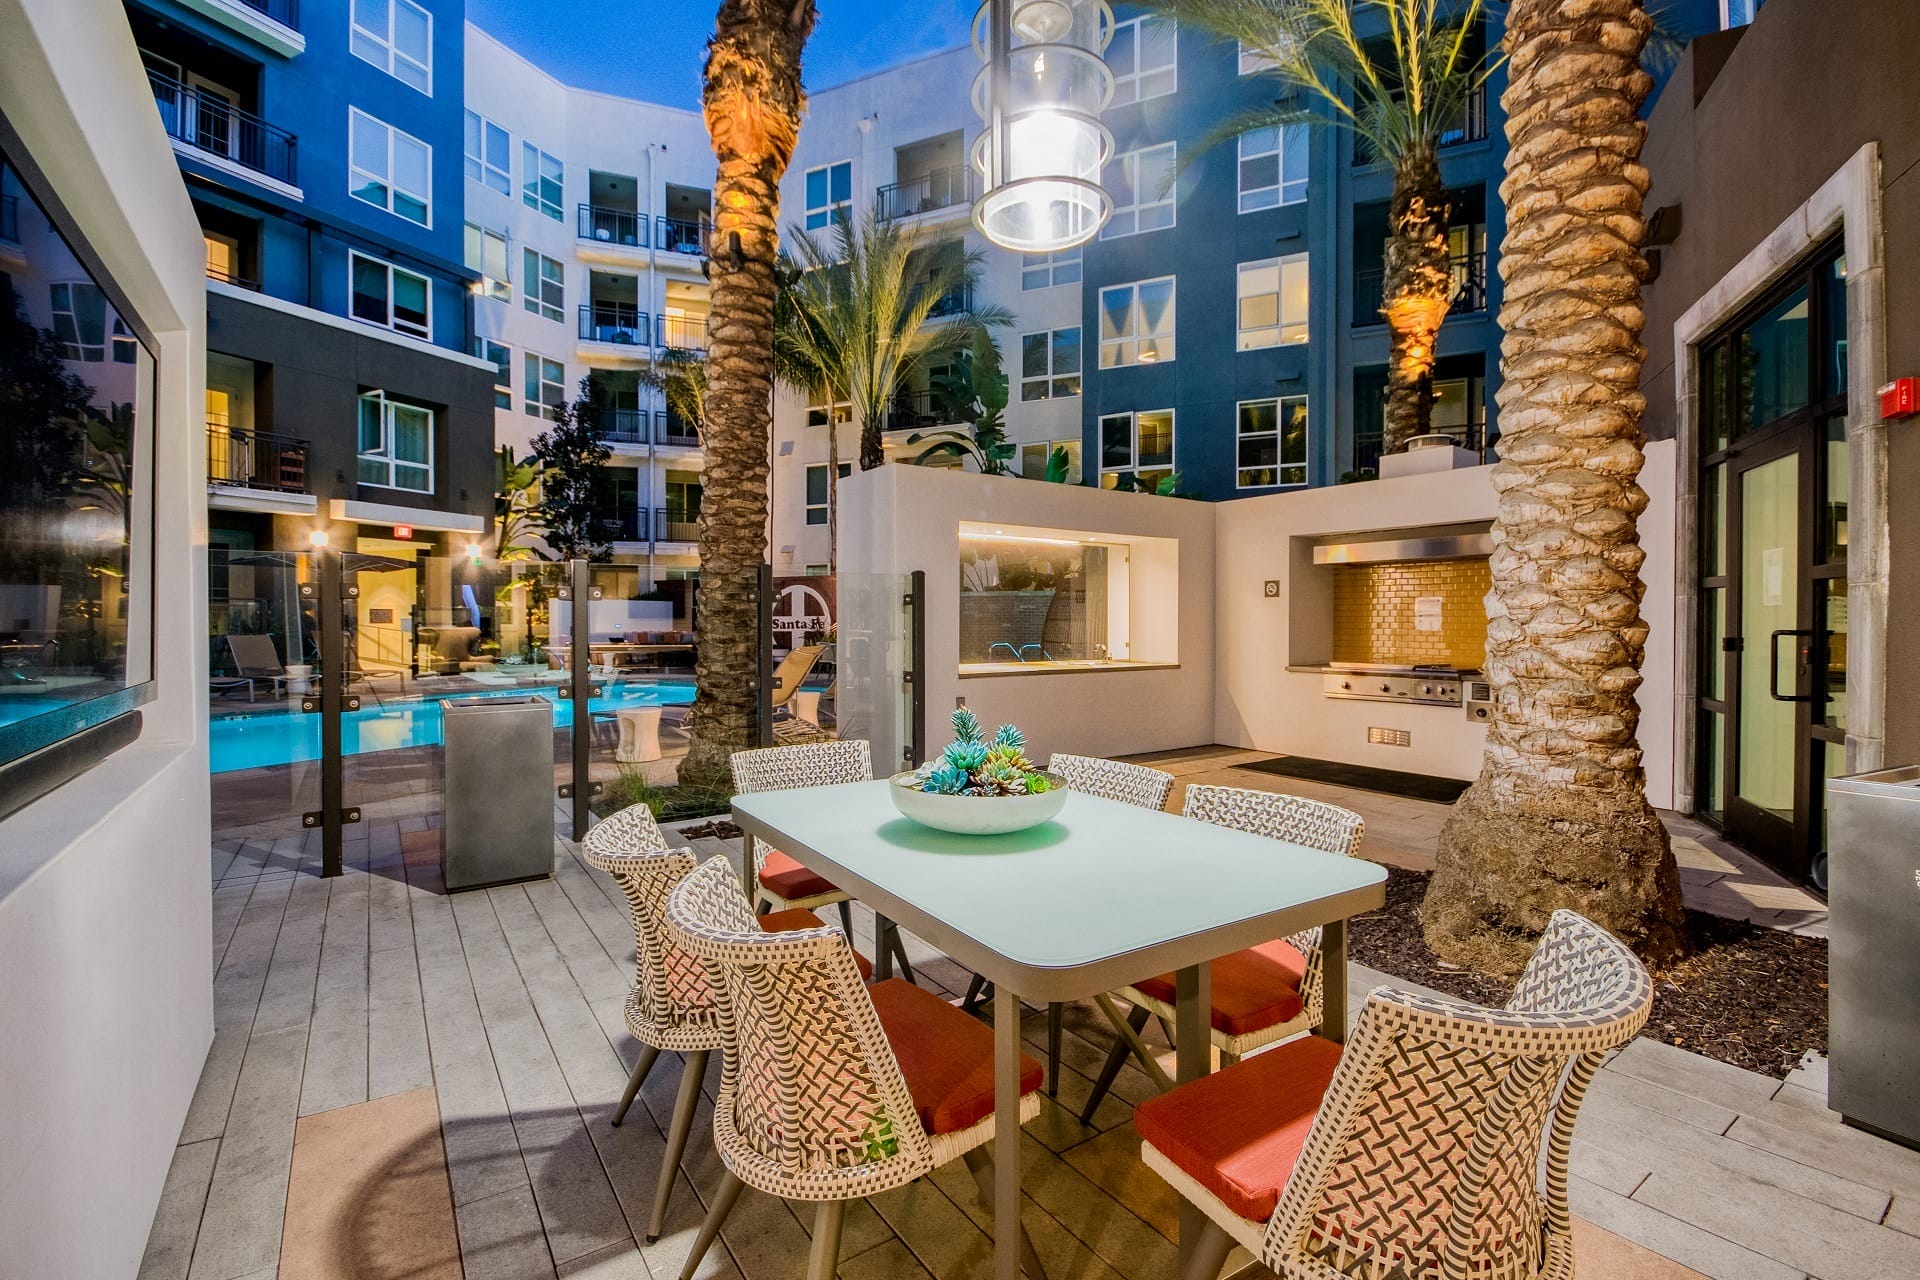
<point x="1271" y="444"/>
<point x="1138" y="442"/>
<point x="1736" y="13"/>
<point x="1142" y="185"/>
<point x="396" y="444"/>
<point x="389" y="169"/>
<point x="542" y="284"/>
<point x="487" y="254"/>
<point x="1142" y="58"/>
<point x="1050" y="364"/>
<point x="1136" y="323"/>
<point x="817" y="489"/>
<point x="542" y="180"/>
<point x="501" y="357"/>
<point x="489" y="154"/>
<point x="829" y="194"/>
<point x="1273" y="167"/>
<point x="397" y="37"/>
<point x="1044" y="270"/>
<point x="819" y="409"/>
<point x="1273" y="302"/>
<point x="546" y="386"/>
<point x="1035" y="458"/>
<point x="391" y="297"/>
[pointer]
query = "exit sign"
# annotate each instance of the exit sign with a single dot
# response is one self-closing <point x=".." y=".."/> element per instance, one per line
<point x="403" y="531"/>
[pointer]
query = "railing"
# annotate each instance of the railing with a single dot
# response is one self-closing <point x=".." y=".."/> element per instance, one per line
<point x="621" y="528"/>
<point x="670" y="428"/>
<point x="284" y="12"/>
<point x="676" y="524"/>
<point x="624" y="426"/>
<point x="911" y="411"/>
<point x="243" y="459"/>
<point x="613" y="322"/>
<point x="1473" y="122"/>
<point x="10" y="218"/>
<point x="683" y="333"/>
<point x="1471" y="436"/>
<point x="937" y="189"/>
<point x="228" y="277"/>
<point x="612" y="226"/>
<point x="1469" y="289"/>
<point x="951" y="303"/>
<point x="679" y="235"/>
<point x="209" y="123"/>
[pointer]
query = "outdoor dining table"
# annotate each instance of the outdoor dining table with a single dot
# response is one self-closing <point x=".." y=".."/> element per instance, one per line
<point x="1104" y="895"/>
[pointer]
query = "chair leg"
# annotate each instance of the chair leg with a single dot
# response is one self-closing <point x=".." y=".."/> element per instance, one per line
<point x="846" y="918"/>
<point x="1110" y="1071"/>
<point x="693" y="1067"/>
<point x="824" y="1258"/>
<point x="980" y="1165"/>
<point x="976" y="991"/>
<point x="1056" y="1019"/>
<point x="723" y="1197"/>
<point x="648" y="1055"/>
<point x="1209" y="1253"/>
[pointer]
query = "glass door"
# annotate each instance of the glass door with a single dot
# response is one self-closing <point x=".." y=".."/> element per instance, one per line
<point x="1771" y="658"/>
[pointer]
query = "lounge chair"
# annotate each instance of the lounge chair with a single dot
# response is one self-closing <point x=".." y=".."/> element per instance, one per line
<point x="255" y="661"/>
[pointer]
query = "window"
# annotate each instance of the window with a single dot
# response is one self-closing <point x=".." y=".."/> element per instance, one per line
<point x="1034" y="459"/>
<point x="397" y="37"/>
<point x="1138" y="442"/>
<point x="546" y="386"/>
<point x="489" y="154"/>
<point x="487" y="254"/>
<point x="1050" y="364"/>
<point x="1273" y="302"/>
<point x="1142" y="58"/>
<point x="501" y="357"/>
<point x="1271" y="445"/>
<point x="541" y="180"/>
<point x="1737" y="13"/>
<point x="818" y="409"/>
<point x="81" y="324"/>
<point x="389" y="169"/>
<point x="1273" y="167"/>
<point x="1044" y="270"/>
<point x="542" y="284"/>
<point x="396" y="444"/>
<point x="817" y="489"/>
<point x="1136" y="323"/>
<point x="1253" y="61"/>
<point x="391" y="297"/>
<point x="224" y="257"/>
<point x="829" y="194"/>
<point x="1142" y="185"/>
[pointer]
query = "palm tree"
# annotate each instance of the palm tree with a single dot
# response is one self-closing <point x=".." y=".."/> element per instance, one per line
<point x="1398" y="108"/>
<point x="1559" y="815"/>
<point x="752" y="101"/>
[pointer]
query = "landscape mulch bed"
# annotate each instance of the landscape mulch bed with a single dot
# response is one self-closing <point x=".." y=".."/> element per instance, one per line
<point x="1748" y="995"/>
<point x="719" y="829"/>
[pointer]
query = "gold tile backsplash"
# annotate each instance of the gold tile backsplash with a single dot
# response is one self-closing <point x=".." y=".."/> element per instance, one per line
<point x="1373" y="612"/>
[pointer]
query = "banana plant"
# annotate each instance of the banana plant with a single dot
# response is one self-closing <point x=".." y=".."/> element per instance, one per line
<point x="976" y="396"/>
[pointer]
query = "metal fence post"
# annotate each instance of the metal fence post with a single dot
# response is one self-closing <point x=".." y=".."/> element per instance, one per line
<point x="763" y="659"/>
<point x="917" y="670"/>
<point x="333" y="683"/>
<point x="580" y="667"/>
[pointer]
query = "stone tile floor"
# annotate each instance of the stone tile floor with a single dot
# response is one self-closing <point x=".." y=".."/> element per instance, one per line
<point x="354" y="1013"/>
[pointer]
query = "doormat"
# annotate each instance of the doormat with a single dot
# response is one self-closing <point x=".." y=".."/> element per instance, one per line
<point x="1413" y="786"/>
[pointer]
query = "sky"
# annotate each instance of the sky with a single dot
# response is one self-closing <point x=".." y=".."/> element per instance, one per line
<point x="653" y="49"/>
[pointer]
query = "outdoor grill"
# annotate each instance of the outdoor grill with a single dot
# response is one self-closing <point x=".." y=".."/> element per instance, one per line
<point x="1431" y="686"/>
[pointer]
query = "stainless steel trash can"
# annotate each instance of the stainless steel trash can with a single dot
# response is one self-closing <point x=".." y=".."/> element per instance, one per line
<point x="497" y="785"/>
<point x="1874" y="922"/>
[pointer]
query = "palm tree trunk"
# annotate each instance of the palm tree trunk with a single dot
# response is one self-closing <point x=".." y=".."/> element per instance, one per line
<point x="1415" y="293"/>
<point x="752" y="101"/>
<point x="1559" y="815"/>
<point x="872" y="452"/>
<point x="833" y="490"/>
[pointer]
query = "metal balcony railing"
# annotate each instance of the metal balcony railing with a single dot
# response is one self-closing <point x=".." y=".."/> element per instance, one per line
<point x="624" y="426"/>
<point x="619" y="528"/>
<point x="207" y="122"/>
<point x="681" y="235"/>
<point x="284" y="12"/>
<point x="613" y="322"/>
<point x="10" y="219"/>
<point x="936" y="189"/>
<point x="951" y="303"/>
<point x="228" y="277"/>
<point x="1469" y="289"/>
<point x="683" y="333"/>
<point x="670" y="428"/>
<point x="1471" y="436"/>
<point x="912" y="411"/>
<point x="612" y="226"/>
<point x="676" y="524"/>
<point x="240" y="458"/>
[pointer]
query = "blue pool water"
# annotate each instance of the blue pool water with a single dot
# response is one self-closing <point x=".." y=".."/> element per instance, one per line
<point x="283" y="737"/>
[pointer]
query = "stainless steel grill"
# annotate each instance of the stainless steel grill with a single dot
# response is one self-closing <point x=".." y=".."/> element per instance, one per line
<point x="1421" y="685"/>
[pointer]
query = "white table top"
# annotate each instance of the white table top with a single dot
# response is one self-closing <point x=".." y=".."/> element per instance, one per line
<point x="1106" y="894"/>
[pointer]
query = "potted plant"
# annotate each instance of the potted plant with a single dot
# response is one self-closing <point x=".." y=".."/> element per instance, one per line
<point x="979" y="786"/>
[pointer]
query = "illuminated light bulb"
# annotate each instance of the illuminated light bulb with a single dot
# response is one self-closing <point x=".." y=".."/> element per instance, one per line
<point x="473" y="551"/>
<point x="1042" y="21"/>
<point x="317" y="538"/>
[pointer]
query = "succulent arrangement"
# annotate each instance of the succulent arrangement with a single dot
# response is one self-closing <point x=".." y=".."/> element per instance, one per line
<point x="974" y="765"/>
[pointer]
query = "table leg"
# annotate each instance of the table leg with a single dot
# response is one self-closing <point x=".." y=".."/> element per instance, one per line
<point x="1193" y="1038"/>
<point x="749" y="882"/>
<point x="1006" y="1133"/>
<point x="1333" y="981"/>
<point x="883" y="949"/>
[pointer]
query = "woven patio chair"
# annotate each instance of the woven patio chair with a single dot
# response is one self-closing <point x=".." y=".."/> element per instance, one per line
<point x="1416" y="1153"/>
<point x="832" y="1090"/>
<point x="671" y="1007"/>
<point x="1110" y="780"/>
<point x="1262" y="994"/>
<point x="784" y="884"/>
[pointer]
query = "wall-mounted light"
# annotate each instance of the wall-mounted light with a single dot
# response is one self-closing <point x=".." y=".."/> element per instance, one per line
<point x="1041" y="93"/>
<point x="473" y="552"/>
<point x="317" y="539"/>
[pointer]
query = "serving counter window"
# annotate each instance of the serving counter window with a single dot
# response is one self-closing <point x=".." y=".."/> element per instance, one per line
<point x="1047" y="599"/>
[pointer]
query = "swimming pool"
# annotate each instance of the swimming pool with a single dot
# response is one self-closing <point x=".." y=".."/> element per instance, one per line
<point x="284" y="737"/>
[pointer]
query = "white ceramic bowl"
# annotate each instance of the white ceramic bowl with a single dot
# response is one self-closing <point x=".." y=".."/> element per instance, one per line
<point x="976" y="815"/>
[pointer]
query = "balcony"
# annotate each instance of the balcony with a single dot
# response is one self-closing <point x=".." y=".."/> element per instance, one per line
<point x="619" y="528"/>
<point x="612" y="226"/>
<point x="238" y="458"/>
<point x="229" y="277"/>
<point x="683" y="333"/>
<point x="212" y="129"/>
<point x="912" y="411"/>
<point x="944" y="188"/>
<point x="284" y="12"/>
<point x="1473" y="122"/>
<point x="676" y="524"/>
<point x="679" y="235"/>
<point x="951" y="303"/>
<point x="670" y="428"/>
<point x="624" y="426"/>
<point x="1469" y="290"/>
<point x="615" y="323"/>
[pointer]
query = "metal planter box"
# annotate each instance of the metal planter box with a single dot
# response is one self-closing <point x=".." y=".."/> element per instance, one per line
<point x="497" y="786"/>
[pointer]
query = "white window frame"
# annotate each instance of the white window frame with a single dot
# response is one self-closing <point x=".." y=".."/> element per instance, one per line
<point x="498" y="287"/>
<point x="820" y="217"/>
<point x="1127" y="80"/>
<point x="1045" y="270"/>
<point x="1252" y="61"/>
<point x="1285" y="190"/>
<point x="1049" y="382"/>
<point x="1285" y="331"/>
<point x="379" y="49"/>
<point x="1133" y="417"/>
<point x="386" y="179"/>
<point x="533" y="172"/>
<point x="534" y="281"/>
<point x="1127" y="219"/>
<point x="384" y="455"/>
<point x="480" y="167"/>
<point x="1281" y="465"/>
<point x="1033" y="465"/>
<point x="535" y="403"/>
<point x="500" y="355"/>
<point x="392" y="321"/>
<point x="818" y="405"/>
<point x="1125" y="347"/>
<point x="810" y="506"/>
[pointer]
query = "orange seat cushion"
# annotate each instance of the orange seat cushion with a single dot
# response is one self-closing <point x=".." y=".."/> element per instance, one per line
<point x="945" y="1055"/>
<point x="1239" y="1132"/>
<point x="1252" y="989"/>
<point x="789" y="881"/>
<point x="794" y="918"/>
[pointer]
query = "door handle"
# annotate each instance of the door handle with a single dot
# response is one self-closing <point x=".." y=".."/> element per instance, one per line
<point x="1773" y="666"/>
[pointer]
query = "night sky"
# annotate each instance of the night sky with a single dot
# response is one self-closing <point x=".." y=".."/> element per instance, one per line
<point x="653" y="49"/>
